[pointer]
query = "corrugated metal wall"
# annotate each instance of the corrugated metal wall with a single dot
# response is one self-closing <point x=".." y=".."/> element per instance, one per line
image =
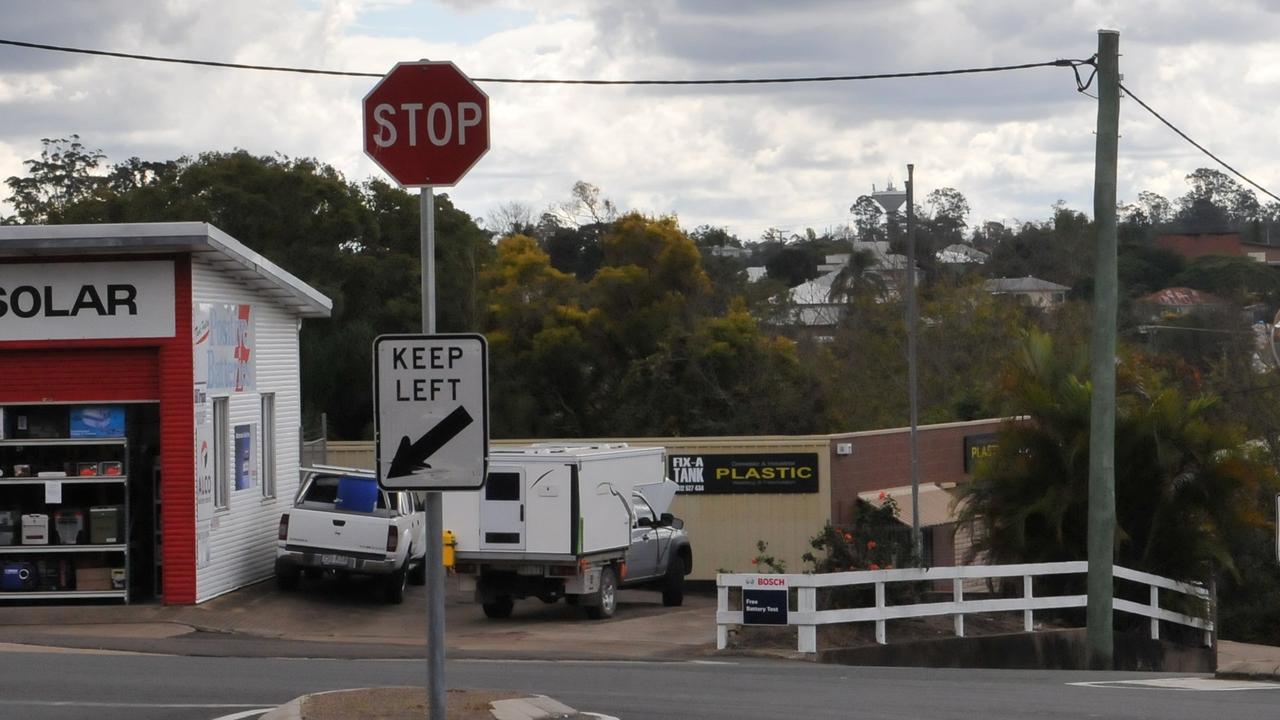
<point x="242" y="540"/>
<point x="81" y="375"/>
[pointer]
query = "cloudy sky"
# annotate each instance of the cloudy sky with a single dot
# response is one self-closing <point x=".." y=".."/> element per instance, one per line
<point x="745" y="157"/>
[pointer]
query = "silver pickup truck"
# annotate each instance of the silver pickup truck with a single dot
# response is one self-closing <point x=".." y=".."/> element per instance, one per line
<point x="343" y="523"/>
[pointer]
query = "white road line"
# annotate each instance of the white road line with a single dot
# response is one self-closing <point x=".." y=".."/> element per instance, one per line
<point x="23" y="648"/>
<point x="245" y="714"/>
<point x="161" y="706"/>
<point x="528" y="661"/>
<point x="1198" y="684"/>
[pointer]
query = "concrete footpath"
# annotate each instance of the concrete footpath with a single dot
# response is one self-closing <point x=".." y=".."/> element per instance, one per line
<point x="1245" y="661"/>
<point x="330" y="618"/>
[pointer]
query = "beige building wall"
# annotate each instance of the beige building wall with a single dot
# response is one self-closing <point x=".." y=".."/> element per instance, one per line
<point x="724" y="529"/>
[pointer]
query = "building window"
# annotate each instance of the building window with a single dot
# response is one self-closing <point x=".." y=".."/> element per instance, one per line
<point x="268" y="445"/>
<point x="221" y="454"/>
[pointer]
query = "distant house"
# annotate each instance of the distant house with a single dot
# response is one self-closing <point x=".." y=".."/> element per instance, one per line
<point x="1176" y="301"/>
<point x="730" y="251"/>
<point x="756" y="273"/>
<point x="1029" y="290"/>
<point x="959" y="254"/>
<point x="815" y="306"/>
<point x="1194" y="245"/>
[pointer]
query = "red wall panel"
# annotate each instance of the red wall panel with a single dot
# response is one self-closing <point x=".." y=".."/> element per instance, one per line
<point x="79" y="375"/>
<point x="177" y="438"/>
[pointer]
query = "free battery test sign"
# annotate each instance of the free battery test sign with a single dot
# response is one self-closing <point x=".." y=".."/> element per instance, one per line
<point x="764" y="600"/>
<point x="431" y="395"/>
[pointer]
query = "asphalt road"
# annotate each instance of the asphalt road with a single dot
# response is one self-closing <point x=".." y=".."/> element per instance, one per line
<point x="43" y="686"/>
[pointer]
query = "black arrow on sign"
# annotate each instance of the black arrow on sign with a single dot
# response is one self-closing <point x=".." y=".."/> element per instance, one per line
<point x="412" y="456"/>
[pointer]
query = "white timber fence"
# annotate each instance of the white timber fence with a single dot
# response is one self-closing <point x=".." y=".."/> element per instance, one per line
<point x="807" y="617"/>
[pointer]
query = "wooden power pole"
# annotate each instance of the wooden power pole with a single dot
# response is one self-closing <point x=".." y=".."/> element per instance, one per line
<point x="1102" y="416"/>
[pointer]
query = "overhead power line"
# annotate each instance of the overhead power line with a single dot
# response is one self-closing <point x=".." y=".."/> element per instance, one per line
<point x="536" y="81"/>
<point x="1082" y="86"/>
<point x="1197" y="145"/>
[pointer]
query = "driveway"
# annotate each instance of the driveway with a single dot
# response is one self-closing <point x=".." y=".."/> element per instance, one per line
<point x="336" y="618"/>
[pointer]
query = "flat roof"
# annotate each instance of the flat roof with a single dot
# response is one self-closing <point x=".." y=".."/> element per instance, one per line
<point x="225" y="252"/>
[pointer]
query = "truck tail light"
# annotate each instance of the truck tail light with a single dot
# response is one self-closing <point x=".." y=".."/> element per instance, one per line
<point x="393" y="539"/>
<point x="284" y="528"/>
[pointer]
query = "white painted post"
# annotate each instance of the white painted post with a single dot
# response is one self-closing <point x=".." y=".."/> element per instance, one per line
<point x="1028" y="616"/>
<point x="1155" y="605"/>
<point x="1211" y="611"/>
<point x="807" y="602"/>
<point x="722" y="605"/>
<point x="957" y="594"/>
<point x="880" y="636"/>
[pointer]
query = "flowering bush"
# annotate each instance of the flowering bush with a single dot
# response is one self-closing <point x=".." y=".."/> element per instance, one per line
<point x="763" y="562"/>
<point x="875" y="540"/>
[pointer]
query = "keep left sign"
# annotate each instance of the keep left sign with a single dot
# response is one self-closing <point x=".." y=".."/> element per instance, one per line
<point x="431" y="411"/>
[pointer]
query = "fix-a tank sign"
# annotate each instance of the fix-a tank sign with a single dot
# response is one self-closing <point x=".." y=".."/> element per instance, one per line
<point x="431" y="411"/>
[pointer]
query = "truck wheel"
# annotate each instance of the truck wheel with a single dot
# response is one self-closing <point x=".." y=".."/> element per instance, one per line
<point x="418" y="573"/>
<point x="287" y="578"/>
<point x="606" y="598"/>
<point x="673" y="585"/>
<point x="393" y="588"/>
<point x="500" y="608"/>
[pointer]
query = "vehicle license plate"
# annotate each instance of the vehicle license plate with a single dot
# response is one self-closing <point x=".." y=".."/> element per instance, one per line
<point x="335" y="561"/>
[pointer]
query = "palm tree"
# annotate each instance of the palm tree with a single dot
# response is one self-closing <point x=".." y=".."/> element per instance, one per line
<point x="857" y="276"/>
<point x="1185" y="485"/>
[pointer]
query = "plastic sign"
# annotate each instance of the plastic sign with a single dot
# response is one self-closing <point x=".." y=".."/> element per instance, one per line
<point x="431" y="411"/>
<point x="426" y="124"/>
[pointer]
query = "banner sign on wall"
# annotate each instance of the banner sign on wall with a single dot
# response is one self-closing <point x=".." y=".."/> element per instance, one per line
<point x="204" y="485"/>
<point x="711" y="473"/>
<point x="73" y="301"/>
<point x="246" y="471"/>
<point x="98" y="421"/>
<point x="224" y="343"/>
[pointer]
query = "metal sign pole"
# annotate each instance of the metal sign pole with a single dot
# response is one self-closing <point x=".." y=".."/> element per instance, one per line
<point x="433" y="503"/>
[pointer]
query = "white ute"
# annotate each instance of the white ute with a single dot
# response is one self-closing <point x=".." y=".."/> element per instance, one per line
<point x="343" y="522"/>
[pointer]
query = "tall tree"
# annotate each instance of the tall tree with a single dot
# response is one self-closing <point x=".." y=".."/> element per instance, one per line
<point x="544" y="367"/>
<point x="1213" y="195"/>
<point x="723" y="376"/>
<point x="65" y="174"/>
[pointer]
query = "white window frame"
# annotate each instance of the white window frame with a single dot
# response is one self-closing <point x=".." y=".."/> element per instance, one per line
<point x="221" y="453"/>
<point x="268" y="450"/>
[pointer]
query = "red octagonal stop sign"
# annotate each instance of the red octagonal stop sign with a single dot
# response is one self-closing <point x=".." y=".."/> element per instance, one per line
<point x="426" y="123"/>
